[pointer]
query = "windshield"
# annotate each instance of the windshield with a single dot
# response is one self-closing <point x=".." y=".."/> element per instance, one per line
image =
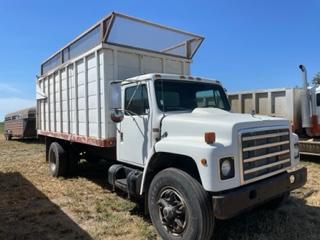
<point x="185" y="95"/>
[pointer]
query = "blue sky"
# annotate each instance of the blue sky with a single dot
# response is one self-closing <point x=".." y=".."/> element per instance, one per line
<point x="249" y="44"/>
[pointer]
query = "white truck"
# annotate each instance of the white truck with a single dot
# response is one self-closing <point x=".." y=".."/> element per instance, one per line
<point x="300" y="105"/>
<point x="122" y="91"/>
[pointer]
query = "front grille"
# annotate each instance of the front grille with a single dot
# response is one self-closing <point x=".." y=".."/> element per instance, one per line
<point x="264" y="153"/>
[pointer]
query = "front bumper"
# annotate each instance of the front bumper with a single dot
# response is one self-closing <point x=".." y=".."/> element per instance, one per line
<point x="230" y="204"/>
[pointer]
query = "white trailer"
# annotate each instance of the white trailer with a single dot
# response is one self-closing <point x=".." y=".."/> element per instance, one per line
<point x="300" y="105"/>
<point x="122" y="91"/>
<point x="277" y="102"/>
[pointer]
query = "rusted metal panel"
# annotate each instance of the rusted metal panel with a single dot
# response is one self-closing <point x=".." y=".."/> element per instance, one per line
<point x="21" y="124"/>
<point x="109" y="142"/>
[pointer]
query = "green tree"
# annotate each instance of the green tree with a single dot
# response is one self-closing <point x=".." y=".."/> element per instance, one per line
<point x="316" y="79"/>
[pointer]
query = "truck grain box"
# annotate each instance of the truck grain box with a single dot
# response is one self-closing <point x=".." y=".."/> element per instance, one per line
<point x="300" y="105"/>
<point x="20" y="124"/>
<point x="123" y="91"/>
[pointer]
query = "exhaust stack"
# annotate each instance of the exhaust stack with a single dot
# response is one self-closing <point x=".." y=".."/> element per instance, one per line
<point x="305" y="102"/>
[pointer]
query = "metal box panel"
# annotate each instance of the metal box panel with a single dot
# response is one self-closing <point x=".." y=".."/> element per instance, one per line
<point x="77" y="102"/>
<point x="283" y="102"/>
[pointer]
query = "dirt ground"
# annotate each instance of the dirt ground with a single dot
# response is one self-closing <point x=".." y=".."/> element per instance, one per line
<point x="34" y="205"/>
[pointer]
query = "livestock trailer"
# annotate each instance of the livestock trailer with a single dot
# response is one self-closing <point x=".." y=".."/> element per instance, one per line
<point x="20" y="124"/>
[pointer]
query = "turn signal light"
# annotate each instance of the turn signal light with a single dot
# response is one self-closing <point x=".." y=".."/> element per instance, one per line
<point x="210" y="137"/>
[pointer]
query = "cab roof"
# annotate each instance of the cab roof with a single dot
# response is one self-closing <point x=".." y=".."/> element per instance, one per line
<point x="153" y="76"/>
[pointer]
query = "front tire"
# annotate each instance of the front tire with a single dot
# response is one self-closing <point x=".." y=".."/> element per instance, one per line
<point x="179" y="207"/>
<point x="58" y="160"/>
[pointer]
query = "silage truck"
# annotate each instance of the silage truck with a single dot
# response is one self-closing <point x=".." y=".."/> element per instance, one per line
<point x="122" y="91"/>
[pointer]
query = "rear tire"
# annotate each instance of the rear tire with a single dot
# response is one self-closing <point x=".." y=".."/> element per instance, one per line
<point x="179" y="207"/>
<point x="58" y="160"/>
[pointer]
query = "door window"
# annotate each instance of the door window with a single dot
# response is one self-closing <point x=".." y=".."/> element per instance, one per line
<point x="136" y="100"/>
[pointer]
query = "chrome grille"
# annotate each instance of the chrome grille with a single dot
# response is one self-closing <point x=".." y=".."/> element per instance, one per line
<point x="264" y="153"/>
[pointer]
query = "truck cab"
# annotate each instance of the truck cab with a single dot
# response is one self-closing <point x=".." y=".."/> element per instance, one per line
<point x="167" y="121"/>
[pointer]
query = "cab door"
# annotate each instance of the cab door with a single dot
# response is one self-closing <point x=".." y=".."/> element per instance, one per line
<point x="134" y="130"/>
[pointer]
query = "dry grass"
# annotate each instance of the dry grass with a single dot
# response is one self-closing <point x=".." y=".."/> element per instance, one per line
<point x="1" y="127"/>
<point x="36" y="206"/>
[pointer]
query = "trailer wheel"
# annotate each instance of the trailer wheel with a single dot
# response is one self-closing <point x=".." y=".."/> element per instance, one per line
<point x="179" y="207"/>
<point x="57" y="160"/>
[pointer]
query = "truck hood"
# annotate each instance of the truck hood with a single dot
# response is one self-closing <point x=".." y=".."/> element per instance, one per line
<point x="225" y="124"/>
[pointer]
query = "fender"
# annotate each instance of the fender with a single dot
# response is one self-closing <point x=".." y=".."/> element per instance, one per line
<point x="194" y="148"/>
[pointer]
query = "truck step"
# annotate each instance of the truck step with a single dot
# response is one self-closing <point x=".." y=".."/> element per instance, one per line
<point x="122" y="184"/>
<point x="125" y="178"/>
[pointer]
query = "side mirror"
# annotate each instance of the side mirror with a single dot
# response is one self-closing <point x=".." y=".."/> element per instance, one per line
<point x="115" y="95"/>
<point x="117" y="115"/>
<point x="115" y="102"/>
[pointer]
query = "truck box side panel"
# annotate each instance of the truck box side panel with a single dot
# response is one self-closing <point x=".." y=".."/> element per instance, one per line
<point x="278" y="101"/>
<point x="46" y="104"/>
<point x="110" y="73"/>
<point x="76" y="107"/>
<point x="175" y="67"/>
<point x="51" y="104"/>
<point x="81" y="101"/>
<point x="234" y="103"/>
<point x="93" y="94"/>
<point x="262" y="103"/>
<point x="42" y="107"/>
<point x="247" y="103"/>
<point x="152" y="64"/>
<point x="63" y="106"/>
<point x="57" y="101"/>
<point x="284" y="102"/>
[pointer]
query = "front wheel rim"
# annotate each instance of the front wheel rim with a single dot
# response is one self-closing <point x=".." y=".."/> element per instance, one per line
<point x="172" y="211"/>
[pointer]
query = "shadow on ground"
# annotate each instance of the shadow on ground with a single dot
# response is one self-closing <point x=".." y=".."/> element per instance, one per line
<point x="97" y="173"/>
<point x="308" y="158"/>
<point x="26" y="213"/>
<point x="293" y="220"/>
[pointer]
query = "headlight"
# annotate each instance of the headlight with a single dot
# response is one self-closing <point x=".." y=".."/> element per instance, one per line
<point x="226" y="168"/>
<point x="296" y="151"/>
